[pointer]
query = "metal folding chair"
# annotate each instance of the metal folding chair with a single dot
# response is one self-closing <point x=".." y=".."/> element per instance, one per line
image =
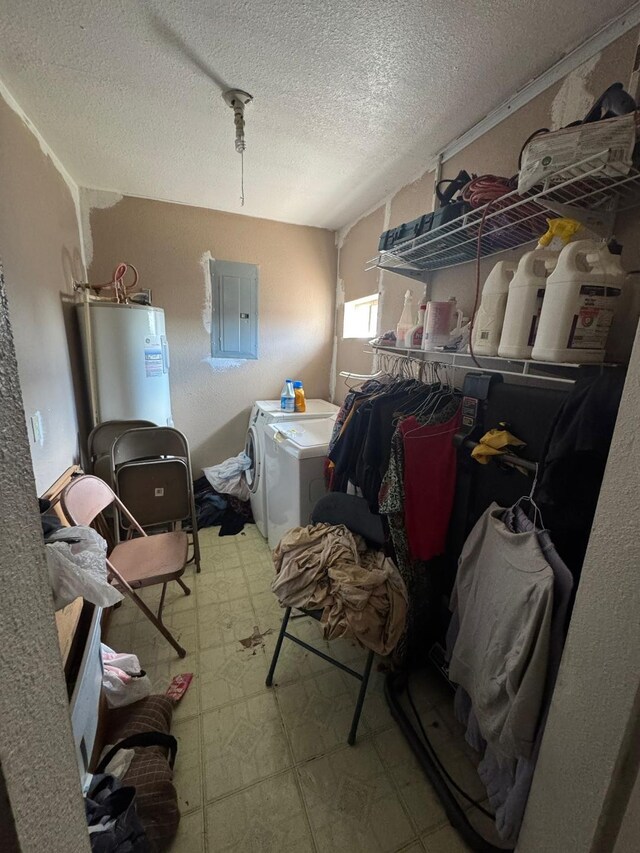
<point x="151" y="473"/>
<point x="354" y="513"/>
<point x="135" y="563"/>
<point x="101" y="440"/>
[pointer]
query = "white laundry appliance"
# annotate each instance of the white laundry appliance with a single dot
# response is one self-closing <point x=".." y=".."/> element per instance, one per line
<point x="294" y="457"/>
<point x="264" y="413"/>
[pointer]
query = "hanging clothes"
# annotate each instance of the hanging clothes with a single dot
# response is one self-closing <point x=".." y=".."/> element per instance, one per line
<point x="345" y="413"/>
<point x="573" y="463"/>
<point x="413" y="572"/>
<point x="508" y="781"/>
<point x="361" y="452"/>
<point x="369" y="387"/>
<point x="503" y="598"/>
<point x="384" y="410"/>
<point x="346" y="450"/>
<point x="368" y="458"/>
<point x="429" y="481"/>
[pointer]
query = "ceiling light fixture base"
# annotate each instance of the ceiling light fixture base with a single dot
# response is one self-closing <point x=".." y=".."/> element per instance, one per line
<point x="233" y="97"/>
<point x="237" y="100"/>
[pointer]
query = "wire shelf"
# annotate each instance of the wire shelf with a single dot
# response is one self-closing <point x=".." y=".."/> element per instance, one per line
<point x="592" y="191"/>
<point x="547" y="370"/>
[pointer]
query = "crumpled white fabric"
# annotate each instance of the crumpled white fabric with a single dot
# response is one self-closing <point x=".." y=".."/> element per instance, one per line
<point x="120" y="762"/>
<point x="226" y="478"/>
<point x="79" y="568"/>
<point x="123" y="679"/>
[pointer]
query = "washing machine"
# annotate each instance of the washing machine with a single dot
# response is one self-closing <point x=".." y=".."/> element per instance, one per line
<point x="294" y="465"/>
<point x="264" y="413"/>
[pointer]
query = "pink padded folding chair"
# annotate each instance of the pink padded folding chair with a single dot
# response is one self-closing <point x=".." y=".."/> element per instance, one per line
<point x="134" y="563"/>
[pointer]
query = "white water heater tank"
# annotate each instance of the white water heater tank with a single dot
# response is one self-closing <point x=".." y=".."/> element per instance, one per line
<point x="126" y="357"/>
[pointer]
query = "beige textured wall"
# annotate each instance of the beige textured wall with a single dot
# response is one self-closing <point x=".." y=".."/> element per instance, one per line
<point x="495" y="152"/>
<point x="39" y="246"/>
<point x="36" y="747"/>
<point x="211" y="400"/>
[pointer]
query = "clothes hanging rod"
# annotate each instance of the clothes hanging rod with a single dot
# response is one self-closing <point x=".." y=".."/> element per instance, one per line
<point x="345" y="374"/>
<point x="538" y="370"/>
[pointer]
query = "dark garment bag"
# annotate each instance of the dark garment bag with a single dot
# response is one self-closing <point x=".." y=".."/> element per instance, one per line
<point x="114" y="826"/>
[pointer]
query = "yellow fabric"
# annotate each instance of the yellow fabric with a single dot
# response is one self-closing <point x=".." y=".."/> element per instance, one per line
<point x="494" y="443"/>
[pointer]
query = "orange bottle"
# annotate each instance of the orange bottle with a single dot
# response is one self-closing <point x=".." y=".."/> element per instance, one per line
<point x="298" y="390"/>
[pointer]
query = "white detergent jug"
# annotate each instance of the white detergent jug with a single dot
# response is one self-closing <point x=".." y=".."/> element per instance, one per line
<point x="582" y="295"/>
<point x="487" y="325"/>
<point x="524" y="303"/>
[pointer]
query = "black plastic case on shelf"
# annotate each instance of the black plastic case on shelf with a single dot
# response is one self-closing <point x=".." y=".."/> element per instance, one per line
<point x="423" y="224"/>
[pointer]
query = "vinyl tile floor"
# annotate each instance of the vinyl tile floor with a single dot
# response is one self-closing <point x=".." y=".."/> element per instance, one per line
<point x="268" y="769"/>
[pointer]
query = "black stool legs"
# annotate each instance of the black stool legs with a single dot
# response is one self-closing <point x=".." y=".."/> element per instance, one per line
<point x="361" y="694"/>
<point x="276" y="651"/>
<point x="363" y="677"/>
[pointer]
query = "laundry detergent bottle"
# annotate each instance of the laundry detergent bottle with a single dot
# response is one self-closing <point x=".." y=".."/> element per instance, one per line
<point x="413" y="338"/>
<point x="582" y="295"/>
<point x="406" y="321"/>
<point x="288" y="396"/>
<point x="300" y="402"/>
<point x="487" y="324"/>
<point x="524" y="303"/>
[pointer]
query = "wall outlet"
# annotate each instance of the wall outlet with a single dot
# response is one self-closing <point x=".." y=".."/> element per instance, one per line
<point x="37" y="432"/>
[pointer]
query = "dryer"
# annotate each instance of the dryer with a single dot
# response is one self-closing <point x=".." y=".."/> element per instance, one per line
<point x="264" y="413"/>
<point x="294" y="462"/>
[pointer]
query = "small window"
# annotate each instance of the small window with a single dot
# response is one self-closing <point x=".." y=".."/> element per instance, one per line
<point x="234" y="320"/>
<point x="361" y="317"/>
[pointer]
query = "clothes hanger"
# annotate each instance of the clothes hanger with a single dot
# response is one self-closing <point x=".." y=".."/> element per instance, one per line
<point x="433" y="397"/>
<point x="538" y="521"/>
<point x="406" y="373"/>
<point x="428" y="409"/>
<point x="444" y="388"/>
<point x="402" y="375"/>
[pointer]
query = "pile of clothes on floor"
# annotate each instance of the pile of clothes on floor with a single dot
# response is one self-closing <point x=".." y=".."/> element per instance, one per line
<point x="359" y="590"/>
<point x="222" y="496"/>
<point x="213" y="509"/>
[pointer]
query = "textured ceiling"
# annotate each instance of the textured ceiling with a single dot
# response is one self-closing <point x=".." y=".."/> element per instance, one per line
<point x="351" y="98"/>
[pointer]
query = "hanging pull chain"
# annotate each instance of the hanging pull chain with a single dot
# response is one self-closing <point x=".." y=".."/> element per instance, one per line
<point x="238" y="109"/>
<point x="242" y="178"/>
